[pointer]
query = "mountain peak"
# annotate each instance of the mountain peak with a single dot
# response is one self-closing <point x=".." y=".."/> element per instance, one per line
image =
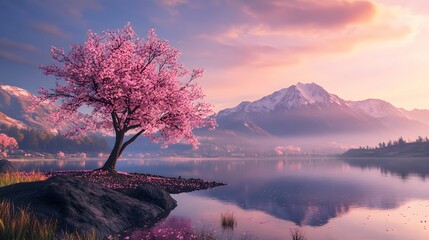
<point x="16" y="91"/>
<point x="295" y="96"/>
<point x="314" y="93"/>
<point x="301" y="94"/>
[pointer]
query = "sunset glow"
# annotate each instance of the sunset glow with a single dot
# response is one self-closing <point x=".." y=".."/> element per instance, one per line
<point x="356" y="49"/>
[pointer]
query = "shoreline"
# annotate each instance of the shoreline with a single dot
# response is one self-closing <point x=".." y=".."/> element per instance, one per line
<point x="122" y="180"/>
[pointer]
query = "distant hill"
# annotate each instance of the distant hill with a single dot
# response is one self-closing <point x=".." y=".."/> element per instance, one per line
<point x="419" y="148"/>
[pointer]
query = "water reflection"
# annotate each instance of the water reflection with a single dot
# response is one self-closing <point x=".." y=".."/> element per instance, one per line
<point x="304" y="191"/>
<point x="403" y="167"/>
<point x="307" y="192"/>
<point x="57" y="164"/>
<point x="171" y="228"/>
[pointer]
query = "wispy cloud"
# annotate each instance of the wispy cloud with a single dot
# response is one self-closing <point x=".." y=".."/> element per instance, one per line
<point x="15" y="58"/>
<point x="9" y="44"/>
<point x="75" y="8"/>
<point x="173" y="3"/>
<point x="308" y="13"/>
<point x="267" y="42"/>
<point x="48" y="28"/>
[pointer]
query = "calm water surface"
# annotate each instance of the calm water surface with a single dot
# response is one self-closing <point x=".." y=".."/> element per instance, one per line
<point x="326" y="198"/>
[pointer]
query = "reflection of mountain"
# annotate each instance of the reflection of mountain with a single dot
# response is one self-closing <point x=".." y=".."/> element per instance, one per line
<point x="403" y="167"/>
<point x="304" y="201"/>
<point x="304" y="191"/>
<point x="299" y="194"/>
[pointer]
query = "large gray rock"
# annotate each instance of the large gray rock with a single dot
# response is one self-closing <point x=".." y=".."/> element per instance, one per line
<point x="81" y="205"/>
<point x="7" y="166"/>
<point x="151" y="194"/>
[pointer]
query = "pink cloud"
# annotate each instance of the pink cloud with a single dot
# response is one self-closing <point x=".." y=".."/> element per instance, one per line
<point x="14" y="58"/>
<point x="255" y="45"/>
<point x="74" y="8"/>
<point x="9" y="44"/>
<point x="172" y="3"/>
<point x="171" y="6"/>
<point x="308" y="13"/>
<point x="50" y="29"/>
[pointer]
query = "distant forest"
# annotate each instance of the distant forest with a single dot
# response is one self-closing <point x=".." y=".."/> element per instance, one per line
<point x="396" y="148"/>
<point x="398" y="142"/>
<point x="34" y="140"/>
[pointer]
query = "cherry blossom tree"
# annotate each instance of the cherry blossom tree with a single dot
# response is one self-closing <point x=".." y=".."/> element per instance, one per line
<point x="7" y="143"/>
<point x="132" y="86"/>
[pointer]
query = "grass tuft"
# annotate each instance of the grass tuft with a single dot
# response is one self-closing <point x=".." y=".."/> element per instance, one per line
<point x="18" y="177"/>
<point x="21" y="224"/>
<point x="228" y="221"/>
<point x="78" y="236"/>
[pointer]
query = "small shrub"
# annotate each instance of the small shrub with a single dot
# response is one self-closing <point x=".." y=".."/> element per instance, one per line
<point x="18" y="177"/>
<point x="228" y="221"/>
<point x="297" y="234"/>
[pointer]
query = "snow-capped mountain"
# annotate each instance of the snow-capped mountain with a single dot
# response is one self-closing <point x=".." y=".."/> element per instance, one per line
<point x="376" y="108"/>
<point x="301" y="111"/>
<point x="421" y="115"/>
<point x="13" y="104"/>
<point x="296" y="96"/>
<point x="308" y="109"/>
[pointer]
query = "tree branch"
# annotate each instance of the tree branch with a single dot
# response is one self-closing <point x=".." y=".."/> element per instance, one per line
<point x="133" y="126"/>
<point x="130" y="141"/>
<point x="115" y="121"/>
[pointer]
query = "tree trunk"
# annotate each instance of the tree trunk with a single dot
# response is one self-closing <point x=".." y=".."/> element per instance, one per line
<point x="110" y="164"/>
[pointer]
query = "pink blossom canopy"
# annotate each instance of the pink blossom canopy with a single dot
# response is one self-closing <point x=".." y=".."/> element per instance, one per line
<point x="7" y="142"/>
<point x="130" y="83"/>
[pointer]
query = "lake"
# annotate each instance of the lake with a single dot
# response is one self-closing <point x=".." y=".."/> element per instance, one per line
<point x="325" y="198"/>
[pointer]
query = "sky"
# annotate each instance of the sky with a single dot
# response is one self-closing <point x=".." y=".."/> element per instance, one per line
<point x="357" y="49"/>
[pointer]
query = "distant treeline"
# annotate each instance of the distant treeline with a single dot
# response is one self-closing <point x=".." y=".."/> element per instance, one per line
<point x="35" y="140"/>
<point x="396" y="148"/>
<point x="400" y="141"/>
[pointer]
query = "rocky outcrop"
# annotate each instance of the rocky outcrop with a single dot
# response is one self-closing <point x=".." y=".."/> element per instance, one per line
<point x="151" y="194"/>
<point x="81" y="205"/>
<point x="7" y="166"/>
